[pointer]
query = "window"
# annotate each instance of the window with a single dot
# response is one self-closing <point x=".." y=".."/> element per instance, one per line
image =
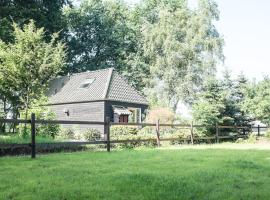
<point x="123" y="118"/>
<point x="85" y="84"/>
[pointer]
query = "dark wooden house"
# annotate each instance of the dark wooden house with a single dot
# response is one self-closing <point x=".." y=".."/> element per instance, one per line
<point x="95" y="95"/>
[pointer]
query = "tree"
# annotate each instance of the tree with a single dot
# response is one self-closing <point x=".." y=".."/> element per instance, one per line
<point x="181" y="46"/>
<point x="221" y="101"/>
<point x="257" y="102"/>
<point x="99" y="35"/>
<point x="46" y="13"/>
<point x="28" y="64"/>
<point x="209" y="106"/>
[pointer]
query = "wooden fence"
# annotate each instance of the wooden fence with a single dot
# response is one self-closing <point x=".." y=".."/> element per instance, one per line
<point x="107" y="139"/>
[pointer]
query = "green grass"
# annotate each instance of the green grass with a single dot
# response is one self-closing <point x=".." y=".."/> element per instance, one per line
<point x="16" y="138"/>
<point x="139" y="174"/>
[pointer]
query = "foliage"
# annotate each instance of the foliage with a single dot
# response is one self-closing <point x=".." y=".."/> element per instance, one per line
<point x="91" y="134"/>
<point x="221" y="102"/>
<point x="75" y="133"/>
<point x="66" y="133"/>
<point x="251" y="139"/>
<point x="15" y="138"/>
<point x="257" y="103"/>
<point x="47" y="14"/>
<point x="28" y="64"/>
<point x="267" y="134"/>
<point x="99" y="35"/>
<point x="124" y="133"/>
<point x="128" y="133"/>
<point x="208" y="108"/>
<point x="163" y="114"/>
<point x="41" y="113"/>
<point x="181" y="46"/>
<point x="118" y="131"/>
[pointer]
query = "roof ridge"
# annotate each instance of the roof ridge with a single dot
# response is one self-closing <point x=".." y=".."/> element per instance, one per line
<point x="107" y="86"/>
<point x="94" y="71"/>
<point x="88" y="71"/>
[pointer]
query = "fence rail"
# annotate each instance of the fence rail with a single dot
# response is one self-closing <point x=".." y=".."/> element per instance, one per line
<point x="33" y="121"/>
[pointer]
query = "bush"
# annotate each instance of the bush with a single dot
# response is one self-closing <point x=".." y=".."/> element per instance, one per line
<point x="131" y="133"/>
<point x="66" y="133"/>
<point x="118" y="132"/>
<point x="252" y="138"/>
<point x="91" y="135"/>
<point x="267" y="134"/>
<point x="41" y="113"/>
<point x="49" y="129"/>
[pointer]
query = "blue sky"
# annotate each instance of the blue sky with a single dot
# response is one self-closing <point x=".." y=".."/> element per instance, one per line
<point x="245" y="26"/>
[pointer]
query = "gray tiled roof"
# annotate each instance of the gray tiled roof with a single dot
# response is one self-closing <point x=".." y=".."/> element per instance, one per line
<point x="108" y="85"/>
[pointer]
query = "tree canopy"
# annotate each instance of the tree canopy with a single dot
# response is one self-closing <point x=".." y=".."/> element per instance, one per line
<point x="27" y="65"/>
<point x="182" y="46"/>
<point x="257" y="103"/>
<point x="221" y="102"/>
<point x="99" y="35"/>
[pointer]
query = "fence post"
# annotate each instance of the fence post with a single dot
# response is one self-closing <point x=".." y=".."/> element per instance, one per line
<point x="33" y="135"/>
<point x="157" y="131"/>
<point x="107" y="124"/>
<point x="217" y="133"/>
<point x="259" y="130"/>
<point x="191" y="133"/>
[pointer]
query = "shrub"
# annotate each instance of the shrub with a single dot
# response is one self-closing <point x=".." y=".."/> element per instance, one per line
<point x="267" y="134"/>
<point x="91" y="135"/>
<point x="147" y="131"/>
<point x="49" y="129"/>
<point x="252" y="138"/>
<point x="130" y="133"/>
<point x="118" y="132"/>
<point x="67" y="133"/>
<point x="41" y="113"/>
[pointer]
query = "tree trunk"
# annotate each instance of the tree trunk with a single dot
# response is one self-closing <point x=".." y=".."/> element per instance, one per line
<point x="174" y="104"/>
<point x="26" y="115"/>
<point x="3" y="125"/>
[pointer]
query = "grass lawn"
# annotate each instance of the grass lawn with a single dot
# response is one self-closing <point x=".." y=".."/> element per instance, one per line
<point x="16" y="138"/>
<point x="139" y="174"/>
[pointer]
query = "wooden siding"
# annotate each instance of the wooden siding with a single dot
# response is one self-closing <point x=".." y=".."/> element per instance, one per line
<point x="90" y="111"/>
<point x="109" y="110"/>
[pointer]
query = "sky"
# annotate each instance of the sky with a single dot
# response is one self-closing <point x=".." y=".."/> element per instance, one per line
<point x="245" y="27"/>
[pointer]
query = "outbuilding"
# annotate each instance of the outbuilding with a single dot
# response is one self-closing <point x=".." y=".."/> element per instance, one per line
<point x="95" y="95"/>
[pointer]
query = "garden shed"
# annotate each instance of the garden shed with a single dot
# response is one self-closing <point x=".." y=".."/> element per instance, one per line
<point x="95" y="95"/>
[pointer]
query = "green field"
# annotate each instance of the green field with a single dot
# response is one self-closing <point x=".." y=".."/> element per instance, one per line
<point x="139" y="174"/>
<point x="17" y="139"/>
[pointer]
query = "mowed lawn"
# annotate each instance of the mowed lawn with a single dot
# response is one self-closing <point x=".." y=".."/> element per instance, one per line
<point x="139" y="174"/>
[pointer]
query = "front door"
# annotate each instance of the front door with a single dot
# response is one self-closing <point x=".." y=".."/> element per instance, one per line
<point x="123" y="118"/>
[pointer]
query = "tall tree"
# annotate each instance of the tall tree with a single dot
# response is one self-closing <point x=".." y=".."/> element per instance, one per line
<point x="46" y="13"/>
<point x="99" y="35"/>
<point x="28" y="64"/>
<point x="221" y="101"/>
<point x="210" y="105"/>
<point x="257" y="102"/>
<point x="181" y="46"/>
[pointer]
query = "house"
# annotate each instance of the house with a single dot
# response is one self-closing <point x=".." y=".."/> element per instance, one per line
<point x="95" y="95"/>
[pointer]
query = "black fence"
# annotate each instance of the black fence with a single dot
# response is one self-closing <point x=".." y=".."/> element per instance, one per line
<point x="107" y="141"/>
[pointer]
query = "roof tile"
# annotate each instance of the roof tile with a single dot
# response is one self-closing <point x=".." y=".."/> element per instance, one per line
<point x="108" y="84"/>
